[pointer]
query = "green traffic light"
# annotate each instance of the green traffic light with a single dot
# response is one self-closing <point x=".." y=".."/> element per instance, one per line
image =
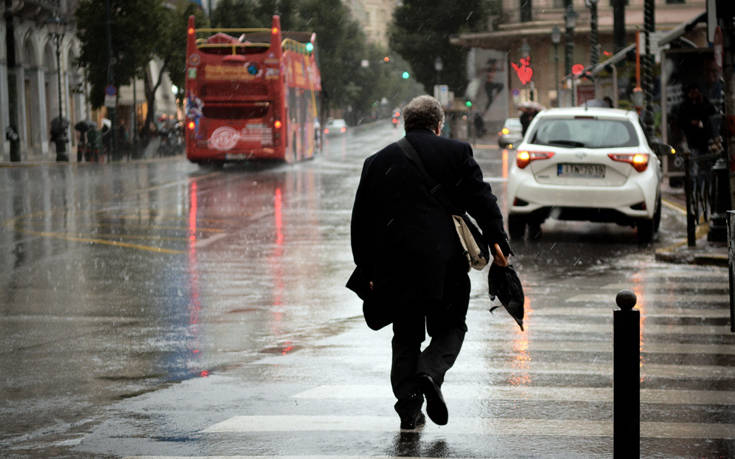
<point x="309" y="47"/>
<point x="468" y="103"/>
<point x="405" y="75"/>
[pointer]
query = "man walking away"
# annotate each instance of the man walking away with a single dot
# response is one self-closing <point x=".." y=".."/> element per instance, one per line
<point x="410" y="264"/>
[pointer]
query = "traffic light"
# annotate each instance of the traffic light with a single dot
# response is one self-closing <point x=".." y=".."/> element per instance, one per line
<point x="405" y="75"/>
<point x="309" y="47"/>
<point x="468" y="103"/>
<point x="386" y="59"/>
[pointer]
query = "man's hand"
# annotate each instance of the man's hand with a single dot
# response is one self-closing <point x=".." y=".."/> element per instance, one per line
<point x="498" y="256"/>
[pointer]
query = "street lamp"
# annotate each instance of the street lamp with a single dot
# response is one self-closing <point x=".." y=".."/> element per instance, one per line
<point x="525" y="49"/>
<point x="438" y="66"/>
<point x="570" y="20"/>
<point x="594" y="51"/>
<point x="555" y="39"/>
<point x="56" y="28"/>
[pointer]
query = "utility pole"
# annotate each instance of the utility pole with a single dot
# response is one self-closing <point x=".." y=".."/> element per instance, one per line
<point x="619" y="24"/>
<point x="110" y="76"/>
<point x="649" y="25"/>
<point x="594" y="46"/>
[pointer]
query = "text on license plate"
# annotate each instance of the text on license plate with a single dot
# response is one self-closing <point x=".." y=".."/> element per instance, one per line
<point x="580" y="170"/>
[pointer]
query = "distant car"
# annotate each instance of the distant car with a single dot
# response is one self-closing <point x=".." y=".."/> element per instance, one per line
<point x="589" y="164"/>
<point x="510" y="134"/>
<point x="335" y="127"/>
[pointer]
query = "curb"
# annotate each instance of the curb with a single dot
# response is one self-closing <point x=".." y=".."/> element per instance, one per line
<point x="681" y="253"/>
<point x="32" y="163"/>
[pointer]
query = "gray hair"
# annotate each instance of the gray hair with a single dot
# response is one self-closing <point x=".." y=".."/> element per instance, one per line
<point x="423" y="112"/>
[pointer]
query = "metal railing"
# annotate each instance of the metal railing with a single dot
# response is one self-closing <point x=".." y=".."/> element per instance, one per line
<point x="699" y="190"/>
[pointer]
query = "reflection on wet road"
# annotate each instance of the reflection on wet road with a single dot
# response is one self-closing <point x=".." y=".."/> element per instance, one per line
<point x="156" y="308"/>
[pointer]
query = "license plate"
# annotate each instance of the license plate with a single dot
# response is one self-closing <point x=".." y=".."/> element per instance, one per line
<point x="580" y="170"/>
<point x="236" y="156"/>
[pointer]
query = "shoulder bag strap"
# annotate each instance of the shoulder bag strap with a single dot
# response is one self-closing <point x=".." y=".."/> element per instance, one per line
<point x="435" y="189"/>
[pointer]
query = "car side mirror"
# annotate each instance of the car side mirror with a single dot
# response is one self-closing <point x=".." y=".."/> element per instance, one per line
<point x="662" y="149"/>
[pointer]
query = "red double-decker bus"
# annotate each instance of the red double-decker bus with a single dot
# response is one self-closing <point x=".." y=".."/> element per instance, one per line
<point x="251" y="93"/>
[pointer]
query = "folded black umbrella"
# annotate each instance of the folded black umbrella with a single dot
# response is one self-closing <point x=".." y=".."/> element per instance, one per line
<point x="503" y="283"/>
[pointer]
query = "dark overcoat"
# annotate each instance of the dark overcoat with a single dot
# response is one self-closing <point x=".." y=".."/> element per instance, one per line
<point x="403" y="240"/>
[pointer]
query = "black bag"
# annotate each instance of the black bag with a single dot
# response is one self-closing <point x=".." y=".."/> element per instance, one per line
<point x="376" y="310"/>
<point x="503" y="282"/>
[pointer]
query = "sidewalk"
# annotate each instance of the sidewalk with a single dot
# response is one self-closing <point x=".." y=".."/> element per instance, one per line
<point x="704" y="252"/>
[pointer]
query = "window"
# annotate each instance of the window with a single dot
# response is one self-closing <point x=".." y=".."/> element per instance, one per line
<point x="670" y="2"/>
<point x="585" y="132"/>
<point x="526" y="6"/>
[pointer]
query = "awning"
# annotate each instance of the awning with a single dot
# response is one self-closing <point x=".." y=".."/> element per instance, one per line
<point x="681" y="29"/>
<point x="670" y="36"/>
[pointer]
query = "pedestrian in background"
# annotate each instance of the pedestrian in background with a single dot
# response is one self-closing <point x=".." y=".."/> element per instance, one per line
<point x="411" y="268"/>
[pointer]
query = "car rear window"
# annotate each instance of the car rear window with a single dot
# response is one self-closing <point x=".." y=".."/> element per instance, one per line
<point x="585" y="132"/>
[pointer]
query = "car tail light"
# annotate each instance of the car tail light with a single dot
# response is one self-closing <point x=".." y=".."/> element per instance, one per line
<point x="343" y="129"/>
<point x="639" y="161"/>
<point x="326" y="130"/>
<point x="524" y="157"/>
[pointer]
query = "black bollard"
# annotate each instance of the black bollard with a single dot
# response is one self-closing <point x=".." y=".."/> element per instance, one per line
<point x="626" y="377"/>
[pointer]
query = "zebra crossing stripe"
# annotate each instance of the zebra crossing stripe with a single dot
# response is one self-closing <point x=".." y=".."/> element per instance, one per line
<point x="287" y="457"/>
<point x="694" y="298"/>
<point x="683" y="285"/>
<point x="472" y="426"/>
<point x="528" y="393"/>
<point x="539" y="326"/>
<point x="598" y="310"/>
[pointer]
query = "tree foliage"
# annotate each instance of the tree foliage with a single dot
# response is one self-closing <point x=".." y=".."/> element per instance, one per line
<point x="420" y="33"/>
<point x="140" y="31"/>
<point x="133" y="23"/>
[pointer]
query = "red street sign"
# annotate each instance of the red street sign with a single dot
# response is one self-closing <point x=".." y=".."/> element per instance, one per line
<point x="524" y="71"/>
<point x="577" y="69"/>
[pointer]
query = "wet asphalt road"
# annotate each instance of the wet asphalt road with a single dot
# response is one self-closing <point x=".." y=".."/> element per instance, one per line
<point x="157" y="308"/>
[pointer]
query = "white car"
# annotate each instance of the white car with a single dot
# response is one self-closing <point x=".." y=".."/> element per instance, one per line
<point x="589" y="164"/>
<point x="335" y="127"/>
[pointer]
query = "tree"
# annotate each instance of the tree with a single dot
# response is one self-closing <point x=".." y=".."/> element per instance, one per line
<point x="235" y="13"/>
<point x="170" y="49"/>
<point x="420" y="33"/>
<point x="131" y="26"/>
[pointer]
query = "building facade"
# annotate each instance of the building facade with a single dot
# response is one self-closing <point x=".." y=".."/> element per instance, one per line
<point x="536" y="66"/>
<point x="29" y="90"/>
<point x="374" y="17"/>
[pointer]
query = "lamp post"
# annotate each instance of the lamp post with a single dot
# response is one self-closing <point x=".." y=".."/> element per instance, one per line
<point x="555" y="39"/>
<point x="12" y="131"/>
<point x="594" y="48"/>
<point x="570" y="20"/>
<point x="58" y="125"/>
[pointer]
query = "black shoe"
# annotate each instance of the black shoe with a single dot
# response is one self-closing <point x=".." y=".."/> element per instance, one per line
<point x="436" y="408"/>
<point x="411" y="421"/>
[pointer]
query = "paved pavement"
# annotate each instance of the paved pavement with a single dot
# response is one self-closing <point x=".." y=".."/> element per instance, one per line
<point x="704" y="252"/>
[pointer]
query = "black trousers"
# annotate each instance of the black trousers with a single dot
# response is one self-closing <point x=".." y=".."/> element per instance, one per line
<point x="445" y="323"/>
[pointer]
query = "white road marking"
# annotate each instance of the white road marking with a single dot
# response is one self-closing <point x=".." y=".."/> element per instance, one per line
<point x="675" y="297"/>
<point x="472" y="426"/>
<point x="527" y="393"/>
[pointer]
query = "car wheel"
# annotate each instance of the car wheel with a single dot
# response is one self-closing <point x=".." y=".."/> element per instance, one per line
<point x="516" y="226"/>
<point x="647" y="228"/>
<point x="534" y="231"/>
